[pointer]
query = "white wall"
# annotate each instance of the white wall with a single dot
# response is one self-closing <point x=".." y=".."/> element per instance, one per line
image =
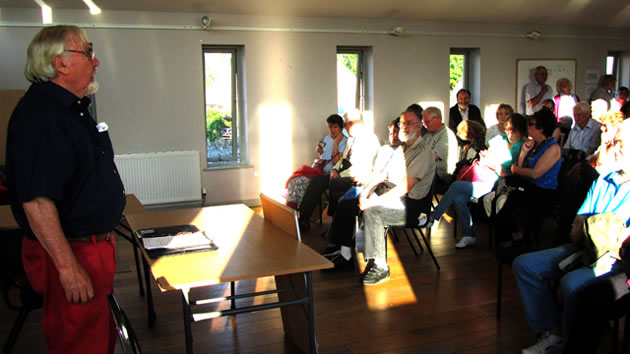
<point x="152" y="89"/>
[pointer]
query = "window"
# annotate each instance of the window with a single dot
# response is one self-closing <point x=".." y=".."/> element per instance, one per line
<point x="458" y="73"/>
<point x="225" y="133"/>
<point x="612" y="64"/>
<point x="350" y="79"/>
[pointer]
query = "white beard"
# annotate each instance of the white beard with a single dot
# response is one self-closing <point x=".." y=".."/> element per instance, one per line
<point x="92" y="87"/>
<point x="406" y="137"/>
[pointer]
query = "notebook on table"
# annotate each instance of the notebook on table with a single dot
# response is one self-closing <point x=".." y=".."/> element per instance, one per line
<point x="171" y="240"/>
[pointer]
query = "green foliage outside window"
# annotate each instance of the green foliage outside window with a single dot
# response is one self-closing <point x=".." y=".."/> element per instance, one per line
<point x="214" y="124"/>
<point x="456" y="69"/>
<point x="349" y="61"/>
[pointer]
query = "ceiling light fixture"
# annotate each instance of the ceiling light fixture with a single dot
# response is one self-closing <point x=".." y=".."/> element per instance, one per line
<point x="534" y="35"/>
<point x="46" y="12"/>
<point x="94" y="10"/>
<point x="396" y="31"/>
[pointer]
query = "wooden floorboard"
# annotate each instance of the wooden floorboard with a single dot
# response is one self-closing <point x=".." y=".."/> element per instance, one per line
<point x="419" y="310"/>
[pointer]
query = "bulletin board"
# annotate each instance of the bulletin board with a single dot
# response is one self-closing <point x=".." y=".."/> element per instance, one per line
<point x="556" y="69"/>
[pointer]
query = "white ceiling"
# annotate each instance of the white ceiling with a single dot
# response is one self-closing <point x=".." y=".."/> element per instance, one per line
<point x="582" y="13"/>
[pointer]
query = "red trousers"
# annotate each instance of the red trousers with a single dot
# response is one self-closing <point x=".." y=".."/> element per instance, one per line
<point x="75" y="328"/>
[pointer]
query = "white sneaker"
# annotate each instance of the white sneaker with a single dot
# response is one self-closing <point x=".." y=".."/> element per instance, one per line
<point x="547" y="343"/>
<point x="466" y="241"/>
<point x="425" y="221"/>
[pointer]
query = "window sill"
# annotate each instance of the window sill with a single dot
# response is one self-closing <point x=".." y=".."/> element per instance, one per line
<point x="227" y="167"/>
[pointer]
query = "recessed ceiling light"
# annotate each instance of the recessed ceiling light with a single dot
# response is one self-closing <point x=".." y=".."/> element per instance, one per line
<point x="46" y="12"/>
<point x="94" y="10"/>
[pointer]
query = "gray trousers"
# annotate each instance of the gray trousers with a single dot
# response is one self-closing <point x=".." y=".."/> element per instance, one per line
<point x="374" y="221"/>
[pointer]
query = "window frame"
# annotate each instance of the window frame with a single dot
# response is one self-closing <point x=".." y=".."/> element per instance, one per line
<point x="361" y="98"/>
<point x="239" y="156"/>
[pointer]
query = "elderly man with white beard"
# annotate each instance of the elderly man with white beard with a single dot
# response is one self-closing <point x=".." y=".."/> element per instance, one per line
<point x="401" y="205"/>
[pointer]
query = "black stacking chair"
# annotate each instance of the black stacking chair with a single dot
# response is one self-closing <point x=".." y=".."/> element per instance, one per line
<point x="15" y="285"/>
<point x="126" y="336"/>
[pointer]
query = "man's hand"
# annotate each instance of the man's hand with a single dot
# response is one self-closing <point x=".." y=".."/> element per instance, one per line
<point x="43" y="219"/>
<point x="77" y="285"/>
<point x="577" y="233"/>
<point x="319" y="149"/>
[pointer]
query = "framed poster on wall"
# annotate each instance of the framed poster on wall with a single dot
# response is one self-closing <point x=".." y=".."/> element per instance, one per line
<point x="556" y="69"/>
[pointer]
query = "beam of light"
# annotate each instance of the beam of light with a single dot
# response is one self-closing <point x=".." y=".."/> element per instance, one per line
<point x="276" y="149"/>
<point x="46" y="12"/>
<point x="94" y="10"/>
<point x="397" y="291"/>
<point x="490" y="114"/>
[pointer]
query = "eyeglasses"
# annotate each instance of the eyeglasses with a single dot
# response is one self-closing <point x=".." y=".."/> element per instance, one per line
<point x="89" y="53"/>
<point x="408" y="123"/>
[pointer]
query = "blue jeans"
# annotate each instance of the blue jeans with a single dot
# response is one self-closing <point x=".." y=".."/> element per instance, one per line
<point x="533" y="271"/>
<point x="459" y="194"/>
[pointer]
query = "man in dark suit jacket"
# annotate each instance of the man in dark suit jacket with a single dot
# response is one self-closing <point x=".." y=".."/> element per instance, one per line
<point x="463" y="108"/>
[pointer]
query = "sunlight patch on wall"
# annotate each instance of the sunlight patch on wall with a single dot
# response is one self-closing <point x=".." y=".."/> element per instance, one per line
<point x="490" y="114"/>
<point x="276" y="151"/>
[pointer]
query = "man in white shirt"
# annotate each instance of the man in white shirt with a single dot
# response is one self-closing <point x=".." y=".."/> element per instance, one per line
<point x="443" y="142"/>
<point x="537" y="91"/>
<point x="585" y="135"/>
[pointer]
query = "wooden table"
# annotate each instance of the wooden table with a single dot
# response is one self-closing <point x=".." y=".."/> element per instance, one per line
<point x="249" y="247"/>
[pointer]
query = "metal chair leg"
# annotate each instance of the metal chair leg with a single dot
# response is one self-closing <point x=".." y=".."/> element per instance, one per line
<point x="499" y="289"/>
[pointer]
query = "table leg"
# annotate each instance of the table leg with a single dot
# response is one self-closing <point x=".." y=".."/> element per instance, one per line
<point x="147" y="281"/>
<point x="232" y="293"/>
<point x="311" y="314"/>
<point x="139" y="273"/>
<point x="187" y="320"/>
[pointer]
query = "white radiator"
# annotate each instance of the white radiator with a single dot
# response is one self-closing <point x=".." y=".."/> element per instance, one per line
<point x="161" y="177"/>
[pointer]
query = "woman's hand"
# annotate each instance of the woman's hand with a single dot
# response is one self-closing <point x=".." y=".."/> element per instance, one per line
<point x="333" y="174"/>
<point x="528" y="146"/>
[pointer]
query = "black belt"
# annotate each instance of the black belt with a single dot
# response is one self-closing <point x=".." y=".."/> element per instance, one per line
<point x="105" y="236"/>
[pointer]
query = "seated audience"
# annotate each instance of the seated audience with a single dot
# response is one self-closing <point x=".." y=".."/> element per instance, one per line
<point x="604" y="91"/>
<point x="329" y="149"/>
<point x="389" y="170"/>
<point x="504" y="111"/>
<point x="471" y="137"/>
<point x="625" y="110"/>
<point x="622" y="96"/>
<point x="497" y="160"/>
<point x="585" y="135"/>
<point x="609" y="194"/>
<point x="443" y="143"/>
<point x="401" y="205"/>
<point x="604" y="155"/>
<point x="564" y="100"/>
<point x="534" y="183"/>
<point x="463" y="110"/>
<point x="353" y="168"/>
<point x="417" y="109"/>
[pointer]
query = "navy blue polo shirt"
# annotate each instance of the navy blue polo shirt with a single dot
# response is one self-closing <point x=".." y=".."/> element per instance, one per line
<point x="55" y="151"/>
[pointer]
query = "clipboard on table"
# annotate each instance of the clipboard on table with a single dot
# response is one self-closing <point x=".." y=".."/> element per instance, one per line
<point x="173" y="240"/>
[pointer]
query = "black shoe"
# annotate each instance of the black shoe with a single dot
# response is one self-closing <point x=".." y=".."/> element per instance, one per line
<point x="376" y="276"/>
<point x="368" y="266"/>
<point x="340" y="262"/>
<point x="330" y="251"/>
<point x="305" y="225"/>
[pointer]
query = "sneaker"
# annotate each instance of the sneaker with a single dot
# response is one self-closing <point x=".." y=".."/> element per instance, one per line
<point x="425" y="221"/>
<point x="368" y="266"/>
<point x="466" y="241"/>
<point x="376" y="275"/>
<point x="340" y="262"/>
<point x="547" y="343"/>
<point x="330" y="251"/>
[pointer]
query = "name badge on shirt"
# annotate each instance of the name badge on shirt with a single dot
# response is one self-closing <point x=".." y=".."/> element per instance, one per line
<point x="102" y="127"/>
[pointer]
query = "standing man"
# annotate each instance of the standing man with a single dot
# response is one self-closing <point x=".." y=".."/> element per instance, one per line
<point x="65" y="192"/>
<point x="537" y="91"/>
<point x="463" y="110"/>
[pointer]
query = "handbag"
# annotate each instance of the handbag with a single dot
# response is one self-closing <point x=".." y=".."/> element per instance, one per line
<point x="476" y="172"/>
